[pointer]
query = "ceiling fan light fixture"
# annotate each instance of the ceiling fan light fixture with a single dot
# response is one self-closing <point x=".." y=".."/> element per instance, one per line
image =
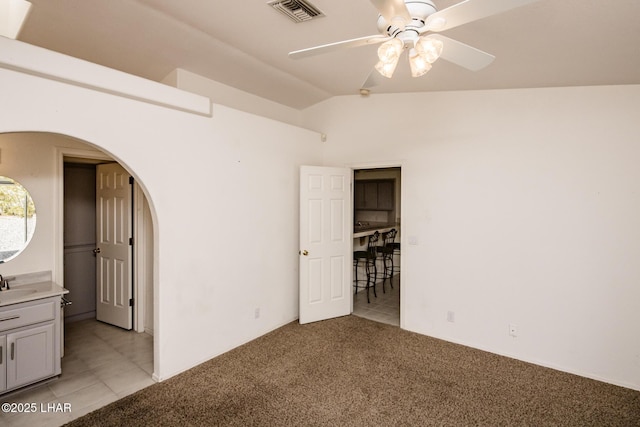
<point x="386" y="69"/>
<point x="390" y="51"/>
<point x="418" y="64"/>
<point x="429" y="48"/>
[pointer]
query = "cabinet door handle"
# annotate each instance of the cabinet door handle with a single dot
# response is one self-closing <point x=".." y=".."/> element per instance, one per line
<point x="9" y="318"/>
<point x="1" y="350"/>
<point x="12" y="349"/>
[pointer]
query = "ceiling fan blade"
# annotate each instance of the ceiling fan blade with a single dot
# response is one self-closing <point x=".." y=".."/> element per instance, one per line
<point x="462" y="54"/>
<point x="317" y="50"/>
<point x="392" y="10"/>
<point x="468" y="11"/>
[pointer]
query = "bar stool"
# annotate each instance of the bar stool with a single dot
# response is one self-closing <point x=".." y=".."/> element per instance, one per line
<point x="395" y="248"/>
<point x="368" y="259"/>
<point x="385" y="254"/>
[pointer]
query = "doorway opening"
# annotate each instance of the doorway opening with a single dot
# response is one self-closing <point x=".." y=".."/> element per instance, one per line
<point x="96" y="356"/>
<point x="91" y="342"/>
<point x="83" y="223"/>
<point x="377" y="208"/>
<point x="80" y="238"/>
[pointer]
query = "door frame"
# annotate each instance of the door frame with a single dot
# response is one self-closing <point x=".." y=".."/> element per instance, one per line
<point x="139" y="252"/>
<point x="383" y="165"/>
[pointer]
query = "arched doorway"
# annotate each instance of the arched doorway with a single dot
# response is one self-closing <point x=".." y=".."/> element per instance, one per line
<point x="39" y="158"/>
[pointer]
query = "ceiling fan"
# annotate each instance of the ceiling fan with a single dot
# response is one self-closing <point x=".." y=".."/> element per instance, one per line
<point x="412" y="25"/>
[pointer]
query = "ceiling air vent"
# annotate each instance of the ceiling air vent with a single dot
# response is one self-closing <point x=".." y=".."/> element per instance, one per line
<point x="297" y="10"/>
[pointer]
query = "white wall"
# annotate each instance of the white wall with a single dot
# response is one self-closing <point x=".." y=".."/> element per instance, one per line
<point x="526" y="209"/>
<point x="146" y="236"/>
<point x="224" y="195"/>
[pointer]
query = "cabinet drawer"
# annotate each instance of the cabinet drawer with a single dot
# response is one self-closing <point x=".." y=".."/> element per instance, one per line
<point x="24" y="316"/>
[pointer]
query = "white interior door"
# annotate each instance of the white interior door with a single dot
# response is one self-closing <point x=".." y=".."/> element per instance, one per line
<point x="325" y="243"/>
<point x="113" y="258"/>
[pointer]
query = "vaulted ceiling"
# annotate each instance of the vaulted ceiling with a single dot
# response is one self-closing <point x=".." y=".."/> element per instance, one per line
<point x="244" y="44"/>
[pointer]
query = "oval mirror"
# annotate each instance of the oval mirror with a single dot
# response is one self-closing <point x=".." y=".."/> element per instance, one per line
<point x="17" y="218"/>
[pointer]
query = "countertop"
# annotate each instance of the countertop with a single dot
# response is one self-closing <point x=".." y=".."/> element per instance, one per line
<point x="370" y="229"/>
<point x="30" y="292"/>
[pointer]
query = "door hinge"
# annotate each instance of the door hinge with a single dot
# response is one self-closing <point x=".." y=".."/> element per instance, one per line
<point x="131" y="302"/>
<point x="130" y="241"/>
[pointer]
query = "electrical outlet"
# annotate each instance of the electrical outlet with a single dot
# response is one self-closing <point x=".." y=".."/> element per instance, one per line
<point x="451" y="316"/>
<point x="513" y="330"/>
<point x="256" y="313"/>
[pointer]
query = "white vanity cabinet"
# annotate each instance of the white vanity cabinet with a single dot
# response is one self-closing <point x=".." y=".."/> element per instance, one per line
<point x="30" y="344"/>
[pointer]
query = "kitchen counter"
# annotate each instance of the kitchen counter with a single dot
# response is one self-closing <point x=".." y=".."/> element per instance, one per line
<point x="360" y="234"/>
<point x="30" y="292"/>
<point x="367" y="230"/>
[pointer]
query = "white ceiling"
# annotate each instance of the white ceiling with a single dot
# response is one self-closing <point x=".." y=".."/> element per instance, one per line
<point x="244" y="44"/>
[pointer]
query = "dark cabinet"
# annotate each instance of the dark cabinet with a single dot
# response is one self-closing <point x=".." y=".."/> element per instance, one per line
<point x="366" y="195"/>
<point x="374" y="195"/>
<point x="385" y="195"/>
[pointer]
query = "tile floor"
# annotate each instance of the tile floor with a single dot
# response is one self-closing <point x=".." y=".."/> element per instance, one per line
<point x="102" y="363"/>
<point x="385" y="308"/>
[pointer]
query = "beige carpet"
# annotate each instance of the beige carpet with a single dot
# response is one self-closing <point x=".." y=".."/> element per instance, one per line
<point x="354" y="372"/>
